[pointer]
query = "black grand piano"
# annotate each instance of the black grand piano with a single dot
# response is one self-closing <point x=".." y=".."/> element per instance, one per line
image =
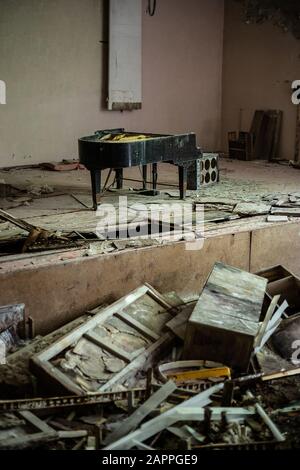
<point x="118" y="149"/>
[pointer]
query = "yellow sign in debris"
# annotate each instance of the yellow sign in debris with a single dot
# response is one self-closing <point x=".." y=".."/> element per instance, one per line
<point x="181" y="376"/>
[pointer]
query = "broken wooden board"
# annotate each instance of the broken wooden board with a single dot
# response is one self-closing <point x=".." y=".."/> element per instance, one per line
<point x="109" y="349"/>
<point x="287" y="211"/>
<point x="225" y="321"/>
<point x="277" y="218"/>
<point x="282" y="282"/>
<point x="137" y="416"/>
<point x="163" y="421"/>
<point x="268" y="316"/>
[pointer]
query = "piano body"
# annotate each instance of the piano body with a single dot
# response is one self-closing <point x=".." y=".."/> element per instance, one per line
<point x="118" y="149"/>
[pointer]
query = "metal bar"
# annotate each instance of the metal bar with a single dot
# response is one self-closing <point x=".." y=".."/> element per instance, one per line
<point x="85" y="400"/>
<point x="267" y="318"/>
<point x="69" y="401"/>
<point x="150" y="182"/>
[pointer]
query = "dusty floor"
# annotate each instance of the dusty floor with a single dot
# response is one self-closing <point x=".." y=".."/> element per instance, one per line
<point x="239" y="180"/>
<point x="61" y="201"/>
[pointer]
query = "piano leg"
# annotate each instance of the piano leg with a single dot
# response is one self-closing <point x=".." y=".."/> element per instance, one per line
<point x="154" y="176"/>
<point x="144" y="176"/>
<point x="119" y="178"/>
<point x="96" y="187"/>
<point x="182" y="170"/>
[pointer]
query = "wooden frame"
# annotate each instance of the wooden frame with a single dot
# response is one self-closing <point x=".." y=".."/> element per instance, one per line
<point x="136" y="360"/>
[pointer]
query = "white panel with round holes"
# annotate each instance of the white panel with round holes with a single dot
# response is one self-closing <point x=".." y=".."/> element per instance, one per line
<point x="209" y="168"/>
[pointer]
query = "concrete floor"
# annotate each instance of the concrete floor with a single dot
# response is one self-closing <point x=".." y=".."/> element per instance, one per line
<point x="275" y="176"/>
<point x="240" y="181"/>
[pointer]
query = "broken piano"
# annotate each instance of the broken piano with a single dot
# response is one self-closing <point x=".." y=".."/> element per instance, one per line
<point x="117" y="149"/>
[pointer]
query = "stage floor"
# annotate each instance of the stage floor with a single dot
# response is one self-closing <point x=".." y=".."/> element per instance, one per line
<point x="57" y="286"/>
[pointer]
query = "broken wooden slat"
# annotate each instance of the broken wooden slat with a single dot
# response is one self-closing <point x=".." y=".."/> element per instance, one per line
<point x="288" y="211"/>
<point x="275" y="431"/>
<point x="142" y="446"/>
<point x="277" y="315"/>
<point x="72" y="434"/>
<point x="268" y="335"/>
<point x="281" y="374"/>
<point x="49" y="371"/>
<point x="137" y="416"/>
<point x="18" y="222"/>
<point x="148" y="355"/>
<point x="272" y="326"/>
<point x="165" y="420"/>
<point x="277" y="218"/>
<point x="179" y="432"/>
<point x="35" y="421"/>
<point x="198" y="437"/>
<point x="267" y="318"/>
<point x="151" y="428"/>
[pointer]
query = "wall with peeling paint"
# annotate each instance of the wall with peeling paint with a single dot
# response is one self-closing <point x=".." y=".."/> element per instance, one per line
<point x="260" y="64"/>
<point x="54" y="67"/>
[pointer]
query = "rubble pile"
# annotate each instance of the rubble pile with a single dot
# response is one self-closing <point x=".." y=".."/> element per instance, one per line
<point x="155" y="372"/>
